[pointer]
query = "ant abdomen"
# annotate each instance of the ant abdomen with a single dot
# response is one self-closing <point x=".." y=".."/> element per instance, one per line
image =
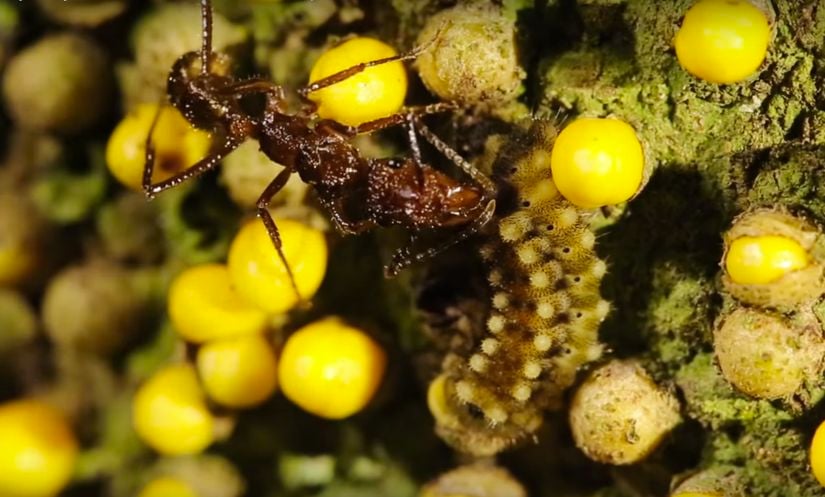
<point x="419" y="197"/>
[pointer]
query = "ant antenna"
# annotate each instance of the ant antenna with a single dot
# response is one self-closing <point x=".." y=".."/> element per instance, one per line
<point x="206" y="35"/>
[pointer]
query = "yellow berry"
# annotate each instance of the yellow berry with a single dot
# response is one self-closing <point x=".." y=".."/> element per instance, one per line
<point x="697" y="494"/>
<point x="331" y="369"/>
<point x="169" y="412"/>
<point x="437" y="400"/>
<point x="204" y="305"/>
<point x="376" y="92"/>
<point x="238" y="372"/>
<point x="177" y="145"/>
<point x="17" y="262"/>
<point x="596" y="162"/>
<point x="37" y="450"/>
<point x="167" y="486"/>
<point x="21" y="246"/>
<point x="258" y="273"/>
<point x="765" y="355"/>
<point x="818" y="454"/>
<point x="723" y="41"/>
<point x="770" y="260"/>
<point x="758" y="260"/>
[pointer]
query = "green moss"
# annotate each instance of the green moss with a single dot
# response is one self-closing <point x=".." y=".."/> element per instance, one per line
<point x="757" y="435"/>
<point x="784" y="176"/>
<point x="679" y="312"/>
<point x="680" y="118"/>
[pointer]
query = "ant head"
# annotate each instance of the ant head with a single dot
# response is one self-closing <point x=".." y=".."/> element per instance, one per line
<point x="196" y="94"/>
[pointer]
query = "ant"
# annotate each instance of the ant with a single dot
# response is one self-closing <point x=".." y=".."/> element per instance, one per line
<point x="359" y="193"/>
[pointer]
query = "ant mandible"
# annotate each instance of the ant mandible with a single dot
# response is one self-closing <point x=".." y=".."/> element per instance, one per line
<point x="359" y="193"/>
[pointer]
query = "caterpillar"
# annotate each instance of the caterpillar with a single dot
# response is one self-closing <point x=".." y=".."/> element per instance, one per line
<point x="544" y="312"/>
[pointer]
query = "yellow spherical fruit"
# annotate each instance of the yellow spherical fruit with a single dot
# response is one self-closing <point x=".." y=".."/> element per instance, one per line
<point x="37" y="450"/>
<point x="723" y="41"/>
<point x="258" y="273"/>
<point x="818" y="454"/>
<point x="596" y="162"/>
<point x="169" y="412"/>
<point x="376" y="92"/>
<point x="177" y="145"/>
<point x="238" y="372"/>
<point x="17" y="262"/>
<point x="770" y="260"/>
<point x="204" y="305"/>
<point x="437" y="401"/>
<point x="331" y="369"/>
<point x="758" y="260"/>
<point x="22" y="243"/>
<point x="697" y="494"/>
<point x="167" y="486"/>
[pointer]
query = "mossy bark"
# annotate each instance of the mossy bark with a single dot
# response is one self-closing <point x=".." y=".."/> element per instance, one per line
<point x="717" y="150"/>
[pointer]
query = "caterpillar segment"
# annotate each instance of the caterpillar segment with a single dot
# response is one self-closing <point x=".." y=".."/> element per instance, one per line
<point x="545" y="308"/>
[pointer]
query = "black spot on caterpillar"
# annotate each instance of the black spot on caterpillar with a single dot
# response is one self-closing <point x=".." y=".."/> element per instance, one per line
<point x="545" y="308"/>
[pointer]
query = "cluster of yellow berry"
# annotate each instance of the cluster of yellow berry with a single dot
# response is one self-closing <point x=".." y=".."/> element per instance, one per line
<point x="327" y="367"/>
<point x="769" y="345"/>
<point x="597" y="162"/>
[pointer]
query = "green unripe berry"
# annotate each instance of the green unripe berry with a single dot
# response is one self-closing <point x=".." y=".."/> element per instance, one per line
<point x="619" y="415"/>
<point x="474" y="56"/>
<point x="765" y="355"/>
<point x="61" y="84"/>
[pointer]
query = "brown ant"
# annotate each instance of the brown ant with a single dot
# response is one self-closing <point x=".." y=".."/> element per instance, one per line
<point x="359" y="193"/>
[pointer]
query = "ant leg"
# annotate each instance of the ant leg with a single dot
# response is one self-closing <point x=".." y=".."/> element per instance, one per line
<point x="352" y="71"/>
<point x="405" y="256"/>
<point x="393" y="120"/>
<point x="200" y="167"/>
<point x="206" y="35"/>
<point x="263" y="212"/>
<point x="253" y="86"/>
<point x="412" y="138"/>
<point x="456" y="158"/>
<point x="343" y="226"/>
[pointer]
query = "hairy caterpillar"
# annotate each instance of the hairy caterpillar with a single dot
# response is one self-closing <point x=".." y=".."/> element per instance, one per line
<point x="544" y="314"/>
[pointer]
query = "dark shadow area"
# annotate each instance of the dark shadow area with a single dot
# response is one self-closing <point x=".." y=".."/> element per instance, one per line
<point x="677" y="218"/>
